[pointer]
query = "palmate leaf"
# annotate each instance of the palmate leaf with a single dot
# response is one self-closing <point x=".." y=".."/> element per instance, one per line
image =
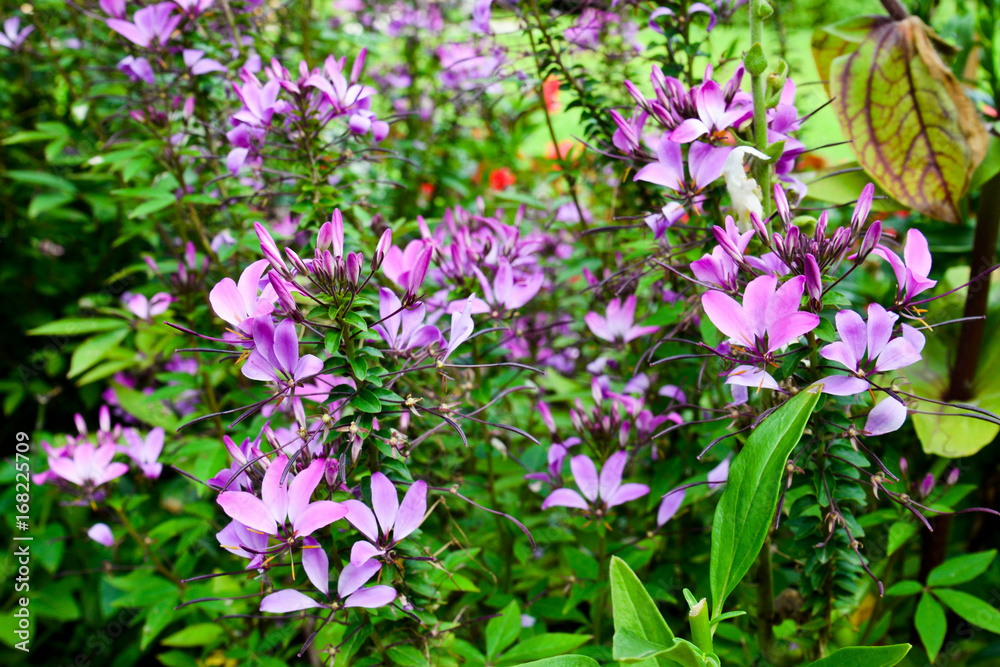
<point x="911" y="124"/>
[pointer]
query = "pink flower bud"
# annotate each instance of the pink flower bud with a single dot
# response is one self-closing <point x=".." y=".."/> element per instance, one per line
<point x="285" y="297"/>
<point x="952" y="477"/>
<point x="297" y="262"/>
<point x="384" y="243"/>
<point x="101" y="533"/>
<point x="337" y="240"/>
<point x="903" y="466"/>
<point x="814" y="280"/>
<point x="758" y="226"/>
<point x="927" y="485"/>
<point x="863" y="208"/>
<point x="781" y="204"/>
<point x="872" y="238"/>
<point x="270" y="250"/>
<point x="354" y="260"/>
<point x="325" y="237"/>
<point x="547" y="419"/>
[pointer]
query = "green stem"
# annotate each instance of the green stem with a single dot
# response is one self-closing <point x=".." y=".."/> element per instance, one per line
<point x="701" y="627"/>
<point x="598" y="615"/>
<point x="759" y="9"/>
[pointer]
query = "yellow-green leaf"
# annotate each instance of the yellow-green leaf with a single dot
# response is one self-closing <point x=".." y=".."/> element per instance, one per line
<point x="913" y="128"/>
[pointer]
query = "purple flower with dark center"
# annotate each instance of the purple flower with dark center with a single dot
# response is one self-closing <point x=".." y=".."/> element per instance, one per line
<point x="284" y="512"/>
<point x="395" y="520"/>
<point x="145" y="451"/>
<point x="507" y="293"/>
<point x="768" y="320"/>
<point x="403" y="328"/>
<point x="150" y="25"/>
<point x="276" y="355"/>
<point x="618" y="324"/>
<point x="867" y="349"/>
<point x="13" y="35"/>
<point x="600" y="493"/>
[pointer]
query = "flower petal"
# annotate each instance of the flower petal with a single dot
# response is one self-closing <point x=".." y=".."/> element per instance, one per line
<point x="565" y="498"/>
<point x="363" y="551"/>
<point x="318" y="515"/>
<point x="372" y="597"/>
<point x="283" y="602"/>
<point x="385" y="502"/>
<point x="362" y="518"/>
<point x="671" y="502"/>
<point x="625" y="493"/>
<point x="611" y="474"/>
<point x="354" y="577"/>
<point x="885" y="417"/>
<point x="411" y="511"/>
<point x="249" y="510"/>
<point x="585" y="474"/>
<point x="316" y="564"/>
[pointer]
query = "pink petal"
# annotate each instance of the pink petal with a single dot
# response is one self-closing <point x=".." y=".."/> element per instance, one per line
<point x="727" y="315"/>
<point x="353" y="577"/>
<point x="565" y="498"/>
<point x="757" y="303"/>
<point x="899" y="353"/>
<point x="286" y="346"/>
<point x="917" y="254"/>
<point x="750" y="376"/>
<point x="688" y="131"/>
<point x="411" y="511"/>
<point x="598" y="326"/>
<point x="318" y="515"/>
<point x="843" y="385"/>
<point x="101" y="533"/>
<point x="302" y="487"/>
<point x="316" y="564"/>
<point x="625" y="493"/>
<point x="274" y="490"/>
<point x="885" y="417"/>
<point x="372" y="597"/>
<point x="671" y="502"/>
<point x="385" y="501"/>
<point x="362" y="518"/>
<point x="880" y="326"/>
<point x="585" y="474"/>
<point x="611" y="474"/>
<point x="283" y="602"/>
<point x="854" y="333"/>
<point x="789" y="328"/>
<point x="249" y="510"/>
<point x="363" y="551"/>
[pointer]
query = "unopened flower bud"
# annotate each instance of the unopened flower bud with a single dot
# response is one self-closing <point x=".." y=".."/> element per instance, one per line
<point x="285" y="297"/>
<point x="952" y="477"/>
<point x="297" y="262"/>
<point x="325" y="237"/>
<point x="270" y="250"/>
<point x="384" y="243"/>
<point x="814" y="281"/>
<point x="759" y="227"/>
<point x="354" y="260"/>
<point x="903" y="466"/>
<point x="872" y="238"/>
<point x="927" y="485"/>
<point x="862" y="208"/>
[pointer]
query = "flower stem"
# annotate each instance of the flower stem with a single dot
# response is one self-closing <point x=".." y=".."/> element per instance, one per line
<point x="759" y="9"/>
<point x="765" y="599"/>
<point x="701" y="629"/>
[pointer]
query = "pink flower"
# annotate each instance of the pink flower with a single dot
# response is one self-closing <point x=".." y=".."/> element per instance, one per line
<point x="768" y="320"/>
<point x="146" y="309"/>
<point x="600" y="493"/>
<point x="911" y="271"/>
<point x="145" y="451"/>
<point x="618" y="324"/>
<point x="151" y="24"/>
<point x="239" y="304"/>
<point x="395" y="520"/>
<point x="88" y="465"/>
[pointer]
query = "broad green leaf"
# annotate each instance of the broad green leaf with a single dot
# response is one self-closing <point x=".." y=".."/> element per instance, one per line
<point x="45" y="202"/>
<point x="502" y="630"/>
<point x="865" y="656"/>
<point x="744" y="513"/>
<point x="899" y="533"/>
<point x="92" y="350"/>
<point x="41" y="178"/>
<point x="105" y="369"/>
<point x="961" y="569"/>
<point x="931" y="625"/>
<point x="76" y="327"/>
<point x="912" y="126"/>
<point x="366" y="401"/>
<point x="975" y="611"/>
<point x="151" y="206"/>
<point x="407" y="656"/>
<point x="841" y="38"/>
<point x="629" y="649"/>
<point x="904" y="588"/>
<point x="359" y="366"/>
<point x="563" y="661"/>
<point x="142" y="408"/>
<point x="635" y="613"/>
<point x="199" y="634"/>
<point x="542" y="646"/>
<point x="159" y="616"/>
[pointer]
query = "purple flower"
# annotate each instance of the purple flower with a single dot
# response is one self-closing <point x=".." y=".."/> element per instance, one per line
<point x="462" y="327"/>
<point x="137" y="69"/>
<point x="600" y="493"/>
<point x="146" y="309"/>
<point x="276" y="355"/>
<point x="586" y="32"/>
<point x="911" y="271"/>
<point x="628" y="137"/>
<point x="260" y="102"/>
<point x="693" y="9"/>
<point x="13" y="35"/>
<point x="101" y="533"/>
<point x="113" y="8"/>
<point x="284" y="511"/>
<point x="196" y="61"/>
<point x="507" y="292"/>
<point x="669" y="505"/>
<point x="866" y="349"/>
<point x="193" y="8"/>
<point x="145" y="451"/>
<point x="481" y="12"/>
<point x="705" y="163"/>
<point x="244" y="542"/>
<point x="408" y="268"/>
<point x="767" y="321"/>
<point x="618" y="324"/>
<point x="239" y="304"/>
<point x="395" y="517"/>
<point x="414" y="332"/>
<point x="87" y="465"/>
<point x="150" y="24"/>
<point x="715" y="115"/>
<point x="349" y="590"/>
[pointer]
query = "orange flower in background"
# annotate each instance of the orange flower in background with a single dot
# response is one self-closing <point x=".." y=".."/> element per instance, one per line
<point x="550" y="92"/>
<point x="811" y="162"/>
<point x="567" y="149"/>
<point x="501" y="179"/>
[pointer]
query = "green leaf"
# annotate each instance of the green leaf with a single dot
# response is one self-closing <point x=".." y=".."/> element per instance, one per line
<point x="635" y="613"/>
<point x="151" y="206"/>
<point x="865" y="656"/>
<point x="961" y="569"/>
<point x="359" y="367"/>
<point x="542" y="646"/>
<point x="46" y="202"/>
<point x="909" y="120"/>
<point x="142" y="408"/>
<point x="931" y="625"/>
<point x="407" y="656"/>
<point x="41" y="178"/>
<point x="76" y="327"/>
<point x="355" y="320"/>
<point x="199" y="634"/>
<point x="105" y="369"/>
<point x="747" y="507"/>
<point x="975" y="611"/>
<point x="564" y="661"/>
<point x="904" y="588"/>
<point x="331" y="341"/>
<point x="366" y="401"/>
<point x="159" y="616"/>
<point x="92" y="350"/>
<point x="629" y="649"/>
<point x="899" y="533"/>
<point x="502" y="630"/>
